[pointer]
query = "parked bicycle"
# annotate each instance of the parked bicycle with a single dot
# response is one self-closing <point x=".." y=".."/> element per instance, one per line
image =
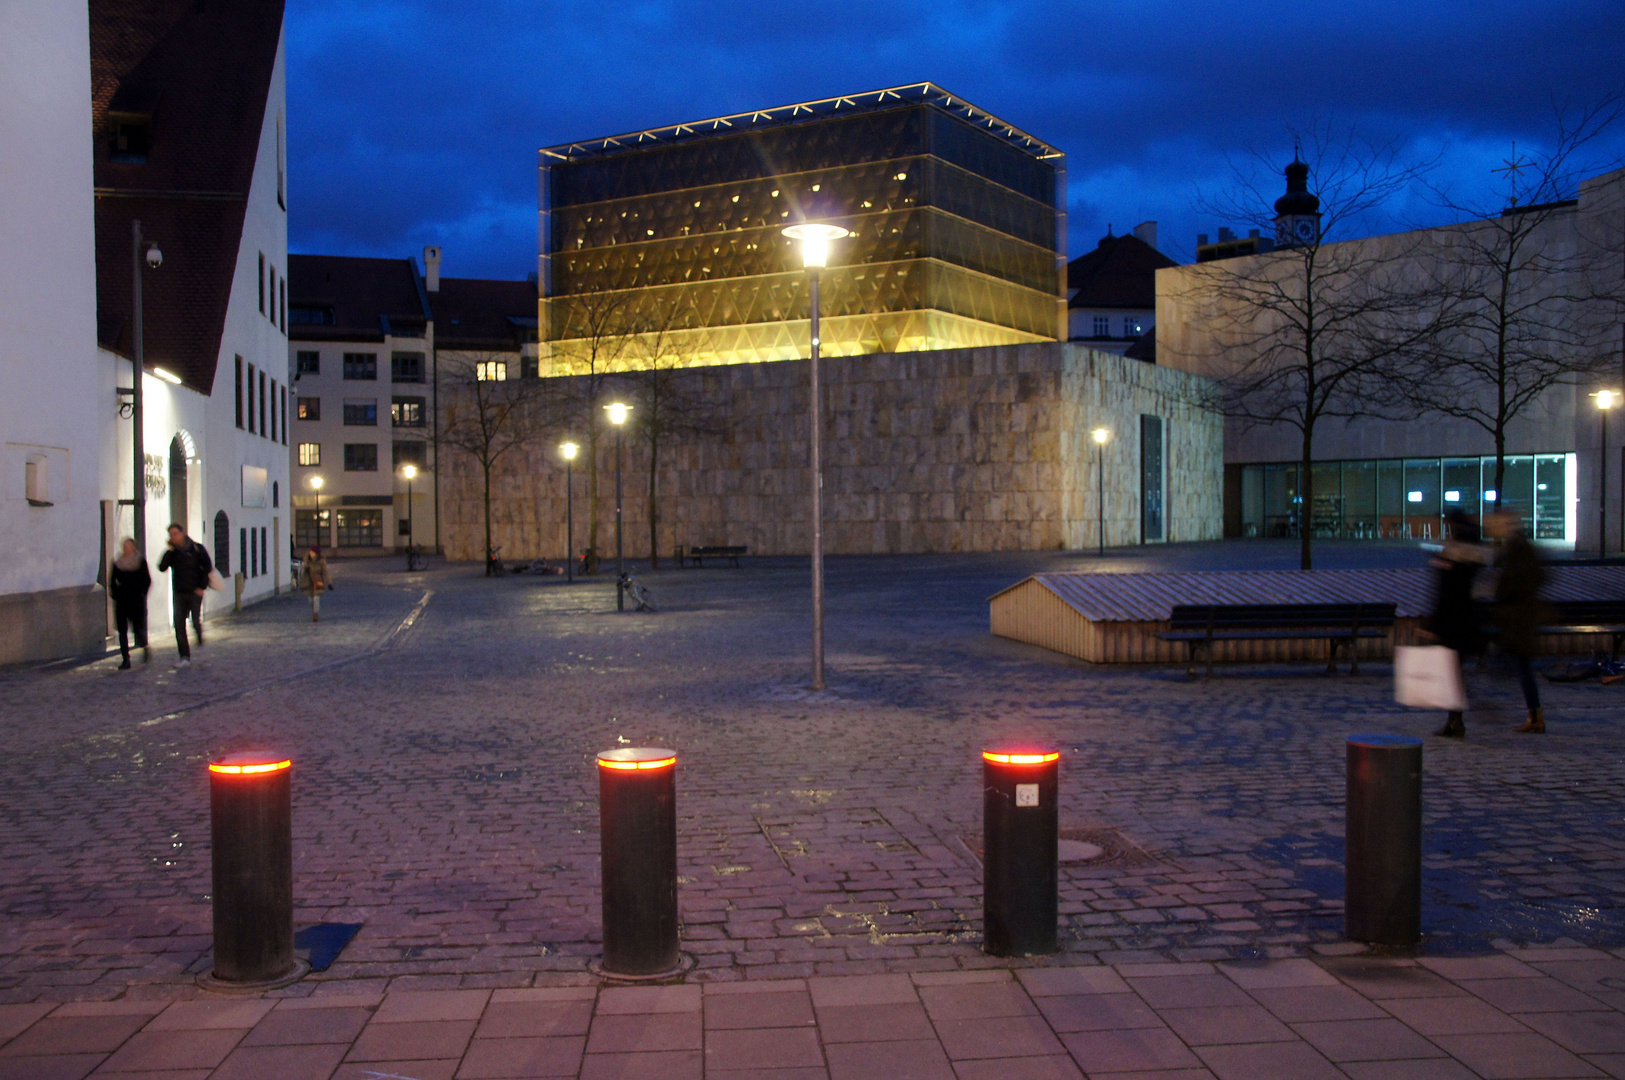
<point x="634" y="590"/>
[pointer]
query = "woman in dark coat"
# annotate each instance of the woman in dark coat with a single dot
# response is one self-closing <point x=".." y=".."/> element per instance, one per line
<point x="128" y="583"/>
<point x="1517" y="609"/>
<point x="1455" y="619"/>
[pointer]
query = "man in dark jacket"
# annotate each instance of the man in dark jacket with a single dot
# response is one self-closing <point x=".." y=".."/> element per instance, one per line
<point x="189" y="566"/>
<point x="1517" y="609"/>
<point x="127" y="584"/>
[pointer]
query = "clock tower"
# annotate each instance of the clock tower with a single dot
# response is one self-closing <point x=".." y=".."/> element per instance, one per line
<point x="1297" y="213"/>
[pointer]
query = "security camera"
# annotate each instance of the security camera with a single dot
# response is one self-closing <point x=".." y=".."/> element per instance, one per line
<point x="155" y="258"/>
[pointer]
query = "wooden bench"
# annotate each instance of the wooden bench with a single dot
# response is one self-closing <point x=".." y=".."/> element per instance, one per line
<point x="700" y="552"/>
<point x="1200" y="625"/>
<point x="1582" y="617"/>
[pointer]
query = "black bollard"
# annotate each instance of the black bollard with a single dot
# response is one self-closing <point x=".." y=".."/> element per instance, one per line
<point x="251" y="813"/>
<point x="1383" y="836"/>
<point x="1021" y="860"/>
<point x="637" y="814"/>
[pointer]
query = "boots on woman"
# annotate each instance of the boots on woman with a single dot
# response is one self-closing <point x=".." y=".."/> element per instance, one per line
<point x="1454" y="727"/>
<point x="1536" y="724"/>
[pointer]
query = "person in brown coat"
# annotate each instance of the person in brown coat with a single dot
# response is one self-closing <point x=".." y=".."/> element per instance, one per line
<point x="314" y="580"/>
<point x="1517" y="608"/>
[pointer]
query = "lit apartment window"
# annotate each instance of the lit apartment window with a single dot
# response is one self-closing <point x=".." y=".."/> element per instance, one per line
<point x="1103" y="326"/>
<point x="406" y="412"/>
<point x="310" y="453"/>
<point x="491" y="370"/>
<point x="360" y="412"/>
<point x="310" y="408"/>
<point x="360" y="457"/>
<point x="361" y="365"/>
<point x="307" y="361"/>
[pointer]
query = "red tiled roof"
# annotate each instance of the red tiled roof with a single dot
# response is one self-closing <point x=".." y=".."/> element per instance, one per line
<point x="1119" y="273"/>
<point x="481" y="313"/>
<point x="202" y="72"/>
<point x="364" y="296"/>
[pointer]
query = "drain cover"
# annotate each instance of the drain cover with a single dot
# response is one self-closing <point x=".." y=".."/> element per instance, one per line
<point x="1075" y="851"/>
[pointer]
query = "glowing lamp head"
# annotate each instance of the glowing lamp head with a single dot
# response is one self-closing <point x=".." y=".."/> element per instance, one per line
<point x="1021" y="756"/>
<point x="815" y="240"/>
<point x="618" y="412"/>
<point x="249" y="764"/>
<point x="170" y="377"/>
<point x="569" y="450"/>
<point x="410" y="472"/>
<point x="155" y="258"/>
<point x="316" y="482"/>
<point x="1607" y="399"/>
<point x="637" y="759"/>
<point x="1102" y="436"/>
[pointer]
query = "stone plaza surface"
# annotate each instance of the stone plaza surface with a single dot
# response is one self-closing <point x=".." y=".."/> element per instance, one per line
<point x="445" y="800"/>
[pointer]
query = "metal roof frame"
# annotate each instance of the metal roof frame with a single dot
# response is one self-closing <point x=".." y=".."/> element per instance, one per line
<point x="915" y="93"/>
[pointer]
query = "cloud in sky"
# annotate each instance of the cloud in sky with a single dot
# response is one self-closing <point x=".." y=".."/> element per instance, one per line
<point x="414" y="122"/>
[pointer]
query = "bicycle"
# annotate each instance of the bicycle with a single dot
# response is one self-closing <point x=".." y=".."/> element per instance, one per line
<point x="630" y="586"/>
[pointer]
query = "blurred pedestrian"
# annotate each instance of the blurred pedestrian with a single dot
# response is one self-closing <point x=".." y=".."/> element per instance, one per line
<point x="1455" y="622"/>
<point x="314" y="580"/>
<point x="189" y="565"/>
<point x="128" y="583"/>
<point x="1517" y="608"/>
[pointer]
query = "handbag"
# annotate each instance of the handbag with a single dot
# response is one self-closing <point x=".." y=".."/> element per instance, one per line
<point x="1429" y="677"/>
<point x="216" y="582"/>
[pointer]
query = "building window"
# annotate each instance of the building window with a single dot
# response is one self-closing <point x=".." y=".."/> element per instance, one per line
<point x="491" y="370"/>
<point x="242" y="548"/>
<point x="1103" y="326"/>
<point x="262" y="405"/>
<point x="1131" y="326"/>
<point x="262" y="283"/>
<point x="411" y="453"/>
<point x="361" y="528"/>
<point x="312" y="315"/>
<point x="310" y="453"/>
<point x="222" y="543"/>
<point x="309" y="408"/>
<point x="406" y="367"/>
<point x="270" y="271"/>
<point x="282" y="294"/>
<point x="406" y="412"/>
<point x="132" y="138"/>
<point x="310" y="528"/>
<point x="307" y="361"/>
<point x="360" y="412"/>
<point x="284" y="416"/>
<point x="251" y="399"/>
<point x="361" y="365"/>
<point x="276" y="491"/>
<point x="265" y="552"/>
<point x="360" y="457"/>
<point x="239" y="391"/>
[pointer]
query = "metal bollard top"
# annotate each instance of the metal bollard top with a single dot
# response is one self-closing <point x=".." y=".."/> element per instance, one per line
<point x="1384" y="741"/>
<point x="249" y="763"/>
<point x="637" y="758"/>
<point x="1021" y="755"/>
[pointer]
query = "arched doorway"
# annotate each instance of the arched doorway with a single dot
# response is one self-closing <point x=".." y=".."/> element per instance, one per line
<point x="177" y="481"/>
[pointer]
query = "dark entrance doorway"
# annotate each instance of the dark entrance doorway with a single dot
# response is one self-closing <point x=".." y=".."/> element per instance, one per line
<point x="1152" y="525"/>
<point x="177" y="482"/>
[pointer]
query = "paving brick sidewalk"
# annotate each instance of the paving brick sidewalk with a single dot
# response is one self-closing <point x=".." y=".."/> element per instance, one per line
<point x="446" y="800"/>
<point x="1536" y="1013"/>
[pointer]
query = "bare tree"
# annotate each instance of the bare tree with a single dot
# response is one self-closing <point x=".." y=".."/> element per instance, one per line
<point x="668" y="404"/>
<point x="1312" y="330"/>
<point x="488" y="411"/>
<point x="1523" y="287"/>
<point x="593" y="347"/>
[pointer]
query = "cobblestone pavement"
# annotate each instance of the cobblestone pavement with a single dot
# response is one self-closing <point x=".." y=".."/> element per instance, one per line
<point x="445" y="798"/>
<point x="1534" y="1013"/>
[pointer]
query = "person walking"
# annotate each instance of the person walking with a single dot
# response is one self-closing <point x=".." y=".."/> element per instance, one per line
<point x="314" y="580"/>
<point x="128" y="583"/>
<point x="1455" y="620"/>
<point x="1517" y="609"/>
<point x="189" y="566"/>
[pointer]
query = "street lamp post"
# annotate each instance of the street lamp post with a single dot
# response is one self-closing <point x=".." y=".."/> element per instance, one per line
<point x="316" y="483"/>
<point x="569" y="450"/>
<point x="815" y="240"/>
<point x="410" y="472"/>
<point x="1102" y="436"/>
<point x="618" y="412"/>
<point x="1605" y="401"/>
<point x="138" y="496"/>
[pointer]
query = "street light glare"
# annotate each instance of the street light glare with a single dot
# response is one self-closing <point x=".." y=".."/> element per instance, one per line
<point x="1606" y="399"/>
<point x="815" y="240"/>
<point x="317" y="482"/>
<point x="410" y="472"/>
<point x="569" y="450"/>
<point x="1102" y="436"/>
<point x="618" y="412"/>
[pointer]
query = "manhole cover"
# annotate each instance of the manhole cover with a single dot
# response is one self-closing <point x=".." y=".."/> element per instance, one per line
<point x="1089" y="849"/>
<point x="1074" y="851"/>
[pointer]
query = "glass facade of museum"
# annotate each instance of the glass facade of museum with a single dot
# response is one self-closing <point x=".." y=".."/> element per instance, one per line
<point x="1408" y="498"/>
<point x="677" y="235"/>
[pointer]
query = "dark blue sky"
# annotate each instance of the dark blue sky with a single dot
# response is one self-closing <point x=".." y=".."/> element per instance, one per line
<point x="414" y="122"/>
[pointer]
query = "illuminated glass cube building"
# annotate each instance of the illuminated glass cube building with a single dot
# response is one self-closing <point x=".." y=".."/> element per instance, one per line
<point x="668" y="244"/>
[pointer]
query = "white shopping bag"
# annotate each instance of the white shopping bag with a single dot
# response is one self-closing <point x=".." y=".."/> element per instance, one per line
<point x="1429" y="677"/>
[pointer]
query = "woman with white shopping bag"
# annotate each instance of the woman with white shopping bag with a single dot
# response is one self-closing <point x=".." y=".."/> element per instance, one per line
<point x="1455" y="625"/>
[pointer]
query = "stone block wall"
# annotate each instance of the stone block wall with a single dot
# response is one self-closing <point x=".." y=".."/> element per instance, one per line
<point x="985" y="449"/>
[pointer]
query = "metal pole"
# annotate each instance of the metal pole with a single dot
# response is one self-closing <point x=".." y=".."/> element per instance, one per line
<point x="251" y="831"/>
<point x="1021" y="851"/>
<point x="139" y="369"/>
<point x="817" y="433"/>
<point x="569" y="523"/>
<point x="411" y="537"/>
<point x="620" y="560"/>
<point x="1383" y="840"/>
<point x="637" y="829"/>
<point x="1602" y="489"/>
<point x="1100" y="495"/>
